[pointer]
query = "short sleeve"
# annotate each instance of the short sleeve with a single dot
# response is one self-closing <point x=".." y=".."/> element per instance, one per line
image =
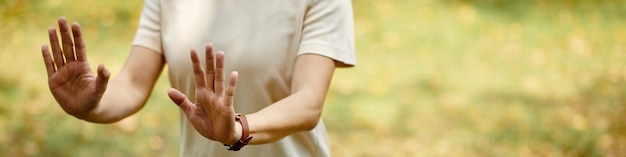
<point x="149" y="30"/>
<point x="328" y="30"/>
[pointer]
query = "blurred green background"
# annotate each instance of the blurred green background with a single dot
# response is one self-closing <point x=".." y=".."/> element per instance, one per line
<point x="434" y="78"/>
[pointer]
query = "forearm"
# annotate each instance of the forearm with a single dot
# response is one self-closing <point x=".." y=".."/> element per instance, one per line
<point x="212" y="115"/>
<point x="300" y="111"/>
<point x="129" y="91"/>
<point x="119" y="101"/>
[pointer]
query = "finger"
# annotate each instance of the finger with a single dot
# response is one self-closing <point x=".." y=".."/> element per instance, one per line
<point x="181" y="100"/>
<point x="210" y="66"/>
<point x="102" y="80"/>
<point x="66" y="38"/>
<point x="198" y="71"/>
<point x="219" y="73"/>
<point x="56" y="50"/>
<point x="47" y="59"/>
<point x="80" y="44"/>
<point x="230" y="90"/>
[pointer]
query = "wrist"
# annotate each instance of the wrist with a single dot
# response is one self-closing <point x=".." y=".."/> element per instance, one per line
<point x="237" y="135"/>
<point x="86" y="116"/>
<point x="245" y="134"/>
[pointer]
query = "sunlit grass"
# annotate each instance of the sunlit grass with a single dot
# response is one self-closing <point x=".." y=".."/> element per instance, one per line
<point x="454" y="78"/>
<point x="457" y="79"/>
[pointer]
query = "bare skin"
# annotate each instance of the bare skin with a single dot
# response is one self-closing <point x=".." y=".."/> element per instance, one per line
<point x="92" y="97"/>
<point x="213" y="113"/>
<point x="72" y="82"/>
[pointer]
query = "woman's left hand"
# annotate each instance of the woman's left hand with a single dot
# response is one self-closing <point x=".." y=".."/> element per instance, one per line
<point x="212" y="115"/>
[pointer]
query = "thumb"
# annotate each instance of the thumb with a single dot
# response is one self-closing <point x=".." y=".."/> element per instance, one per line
<point x="180" y="99"/>
<point x="103" y="79"/>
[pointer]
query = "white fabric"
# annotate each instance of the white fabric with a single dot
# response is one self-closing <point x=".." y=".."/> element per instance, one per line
<point x="261" y="40"/>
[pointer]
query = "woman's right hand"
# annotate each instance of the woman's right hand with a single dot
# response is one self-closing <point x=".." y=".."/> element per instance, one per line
<point x="72" y="83"/>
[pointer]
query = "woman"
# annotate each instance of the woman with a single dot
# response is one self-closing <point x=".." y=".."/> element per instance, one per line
<point x="282" y="55"/>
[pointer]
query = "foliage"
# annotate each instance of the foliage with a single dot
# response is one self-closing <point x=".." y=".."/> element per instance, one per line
<point x="434" y="78"/>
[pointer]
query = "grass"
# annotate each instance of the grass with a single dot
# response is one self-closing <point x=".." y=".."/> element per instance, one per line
<point x="434" y="78"/>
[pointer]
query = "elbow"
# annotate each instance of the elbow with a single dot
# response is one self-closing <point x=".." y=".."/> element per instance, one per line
<point x="312" y="121"/>
<point x="311" y="111"/>
<point x="310" y="125"/>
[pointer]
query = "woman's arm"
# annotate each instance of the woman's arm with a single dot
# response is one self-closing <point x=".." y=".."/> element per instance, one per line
<point x="213" y="115"/>
<point x="301" y="110"/>
<point x="92" y="97"/>
<point x="131" y="88"/>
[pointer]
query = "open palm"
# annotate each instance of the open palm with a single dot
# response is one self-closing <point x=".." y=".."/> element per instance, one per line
<point x="212" y="115"/>
<point x="73" y="85"/>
